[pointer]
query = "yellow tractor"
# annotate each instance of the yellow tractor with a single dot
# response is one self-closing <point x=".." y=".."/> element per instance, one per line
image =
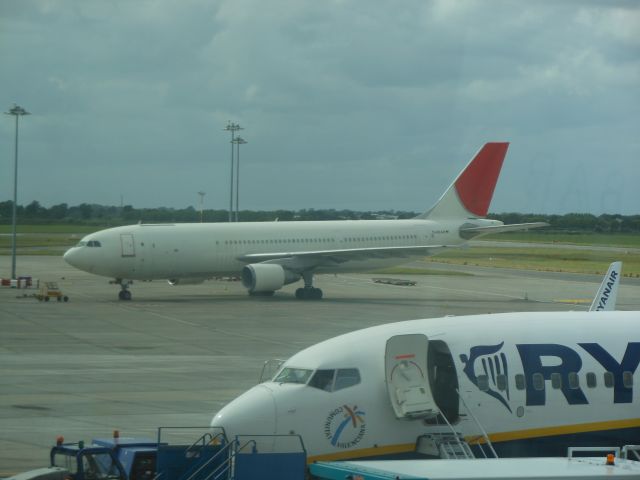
<point x="51" y="290"/>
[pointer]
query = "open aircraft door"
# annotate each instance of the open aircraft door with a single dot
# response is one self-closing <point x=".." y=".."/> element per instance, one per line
<point x="406" y="376"/>
<point x="128" y="246"/>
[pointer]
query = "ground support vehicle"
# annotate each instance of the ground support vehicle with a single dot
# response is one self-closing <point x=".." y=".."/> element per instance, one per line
<point x="51" y="290"/>
<point x="211" y="457"/>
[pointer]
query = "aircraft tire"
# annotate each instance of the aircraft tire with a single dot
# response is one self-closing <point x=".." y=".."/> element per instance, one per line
<point x="124" y="295"/>
<point x="308" y="293"/>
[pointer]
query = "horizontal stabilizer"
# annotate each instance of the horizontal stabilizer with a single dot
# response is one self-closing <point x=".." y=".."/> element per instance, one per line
<point x="471" y="232"/>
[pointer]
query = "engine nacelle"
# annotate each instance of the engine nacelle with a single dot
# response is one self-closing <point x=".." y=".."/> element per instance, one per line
<point x="266" y="277"/>
<point x="185" y="281"/>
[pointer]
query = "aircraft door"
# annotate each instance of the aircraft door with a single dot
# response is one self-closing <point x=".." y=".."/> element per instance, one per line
<point x="406" y="376"/>
<point x="128" y="245"/>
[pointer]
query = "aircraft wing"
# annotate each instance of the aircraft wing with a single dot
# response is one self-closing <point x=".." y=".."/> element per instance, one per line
<point x="471" y="232"/>
<point x="321" y="257"/>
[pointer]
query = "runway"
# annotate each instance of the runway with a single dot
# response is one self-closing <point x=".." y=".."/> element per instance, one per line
<point x="174" y="355"/>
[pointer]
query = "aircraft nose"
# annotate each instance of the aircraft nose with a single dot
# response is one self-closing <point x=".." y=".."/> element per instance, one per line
<point x="252" y="413"/>
<point x="71" y="257"/>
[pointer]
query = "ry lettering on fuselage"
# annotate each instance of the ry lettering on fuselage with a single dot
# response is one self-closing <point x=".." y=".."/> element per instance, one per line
<point x="565" y="360"/>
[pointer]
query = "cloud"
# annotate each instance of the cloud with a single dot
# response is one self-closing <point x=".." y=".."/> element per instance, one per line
<point x="345" y="104"/>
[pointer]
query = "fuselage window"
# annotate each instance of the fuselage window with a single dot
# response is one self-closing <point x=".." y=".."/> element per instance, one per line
<point x="556" y="380"/>
<point x="627" y="379"/>
<point x="538" y="381"/>
<point x="483" y="382"/>
<point x="591" y="380"/>
<point x="520" y="384"/>
<point x="323" y="380"/>
<point x="574" y="381"/>
<point x="347" y="377"/>
<point x="608" y="379"/>
<point x="293" y="375"/>
<point x="501" y="382"/>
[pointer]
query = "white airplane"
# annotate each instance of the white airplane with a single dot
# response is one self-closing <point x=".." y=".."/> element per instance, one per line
<point x="515" y="384"/>
<point x="270" y="255"/>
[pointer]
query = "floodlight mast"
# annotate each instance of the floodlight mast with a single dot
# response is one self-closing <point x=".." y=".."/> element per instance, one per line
<point x="238" y="141"/>
<point x="233" y="128"/>
<point x="16" y="111"/>
<point x="201" y="194"/>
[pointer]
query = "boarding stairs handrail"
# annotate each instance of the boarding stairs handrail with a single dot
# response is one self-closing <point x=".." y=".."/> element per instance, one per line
<point x="635" y="449"/>
<point x="465" y="451"/>
<point x="219" y="470"/>
<point x="484" y="432"/>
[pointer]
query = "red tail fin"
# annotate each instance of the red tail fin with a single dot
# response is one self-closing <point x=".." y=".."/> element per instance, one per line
<point x="470" y="194"/>
<point x="476" y="183"/>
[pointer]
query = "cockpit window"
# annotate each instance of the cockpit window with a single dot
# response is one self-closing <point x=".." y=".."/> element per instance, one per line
<point x="347" y="377"/>
<point x="333" y="380"/>
<point x="90" y="243"/>
<point x="293" y="375"/>
<point x="323" y="379"/>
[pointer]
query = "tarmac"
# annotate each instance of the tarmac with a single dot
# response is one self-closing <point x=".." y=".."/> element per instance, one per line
<point x="174" y="355"/>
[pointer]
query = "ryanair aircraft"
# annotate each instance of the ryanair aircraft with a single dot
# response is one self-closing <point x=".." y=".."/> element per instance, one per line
<point x="511" y="384"/>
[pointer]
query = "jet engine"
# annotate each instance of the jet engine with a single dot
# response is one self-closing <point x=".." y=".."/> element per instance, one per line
<point x="185" y="281"/>
<point x="266" y="277"/>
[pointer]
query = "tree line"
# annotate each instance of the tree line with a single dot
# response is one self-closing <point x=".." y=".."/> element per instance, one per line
<point x="103" y="215"/>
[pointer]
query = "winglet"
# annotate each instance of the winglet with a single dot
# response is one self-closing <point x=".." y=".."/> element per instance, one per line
<point x="471" y="192"/>
<point x="605" y="299"/>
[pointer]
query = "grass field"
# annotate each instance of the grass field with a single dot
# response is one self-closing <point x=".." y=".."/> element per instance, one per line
<point x="543" y="259"/>
<point x="602" y="239"/>
<point x="53" y="239"/>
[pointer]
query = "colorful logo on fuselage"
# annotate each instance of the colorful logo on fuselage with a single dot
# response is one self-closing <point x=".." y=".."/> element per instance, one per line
<point x="345" y="426"/>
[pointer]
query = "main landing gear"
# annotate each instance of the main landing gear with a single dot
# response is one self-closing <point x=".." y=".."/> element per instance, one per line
<point x="308" y="292"/>
<point x="124" y="293"/>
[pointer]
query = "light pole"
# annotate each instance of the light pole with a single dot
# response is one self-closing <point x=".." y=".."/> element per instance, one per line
<point x="238" y="141"/>
<point x="16" y="111"/>
<point x="233" y="128"/>
<point x="202" y="194"/>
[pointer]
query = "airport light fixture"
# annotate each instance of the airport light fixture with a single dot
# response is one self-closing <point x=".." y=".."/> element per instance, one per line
<point x="16" y="111"/>
<point x="201" y="194"/>
<point x="233" y="128"/>
<point x="238" y="141"/>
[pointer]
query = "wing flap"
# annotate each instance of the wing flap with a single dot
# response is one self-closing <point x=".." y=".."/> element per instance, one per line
<point x="344" y="255"/>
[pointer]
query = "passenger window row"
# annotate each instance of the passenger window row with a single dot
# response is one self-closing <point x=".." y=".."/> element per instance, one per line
<point x="280" y="240"/>
<point x="319" y="240"/>
<point x="537" y="379"/>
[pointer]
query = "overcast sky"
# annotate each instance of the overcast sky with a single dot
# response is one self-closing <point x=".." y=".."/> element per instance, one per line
<point x="356" y="104"/>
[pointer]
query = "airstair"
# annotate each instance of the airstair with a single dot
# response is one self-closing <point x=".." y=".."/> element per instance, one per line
<point x="411" y="395"/>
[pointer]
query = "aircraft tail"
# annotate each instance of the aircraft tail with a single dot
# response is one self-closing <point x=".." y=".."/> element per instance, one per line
<point x="605" y="299"/>
<point x="470" y="194"/>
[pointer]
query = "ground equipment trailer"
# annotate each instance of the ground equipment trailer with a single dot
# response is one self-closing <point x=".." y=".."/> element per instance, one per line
<point x="210" y="457"/>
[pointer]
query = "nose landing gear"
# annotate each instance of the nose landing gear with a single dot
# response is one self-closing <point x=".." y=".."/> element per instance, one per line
<point x="124" y="293"/>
